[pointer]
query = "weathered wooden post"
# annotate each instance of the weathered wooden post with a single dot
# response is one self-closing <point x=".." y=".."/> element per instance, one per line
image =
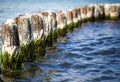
<point x="38" y="33"/>
<point x="90" y="13"/>
<point x="107" y="11"/>
<point x="75" y="17"/>
<point x="61" y="23"/>
<point x="70" y="23"/>
<point x="118" y="5"/>
<point x="49" y="22"/>
<point x="25" y="32"/>
<point x="99" y="12"/>
<point x="114" y="12"/>
<point x="79" y="16"/>
<point x="54" y="26"/>
<point x="84" y="13"/>
<point x="24" y="28"/>
<point x="119" y="9"/>
<point x="10" y="44"/>
<point x="37" y="23"/>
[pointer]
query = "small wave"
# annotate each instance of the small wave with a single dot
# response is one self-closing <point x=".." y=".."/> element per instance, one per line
<point x="103" y="51"/>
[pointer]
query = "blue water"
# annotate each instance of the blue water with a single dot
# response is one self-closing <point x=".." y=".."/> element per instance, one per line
<point x="13" y="8"/>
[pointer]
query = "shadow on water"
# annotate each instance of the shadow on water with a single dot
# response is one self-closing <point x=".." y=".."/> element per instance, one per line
<point x="89" y="54"/>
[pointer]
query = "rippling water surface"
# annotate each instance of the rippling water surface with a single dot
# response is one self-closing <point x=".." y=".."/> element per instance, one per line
<point x="90" y="54"/>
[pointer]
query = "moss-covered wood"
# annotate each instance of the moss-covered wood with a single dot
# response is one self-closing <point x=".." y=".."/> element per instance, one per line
<point x="39" y="47"/>
<point x="61" y="32"/>
<point x="107" y="17"/>
<point x="114" y="18"/>
<point x="28" y="51"/>
<point x="70" y="27"/>
<point x="54" y="36"/>
<point x="76" y="24"/>
<point x="87" y="19"/>
<point x="13" y="62"/>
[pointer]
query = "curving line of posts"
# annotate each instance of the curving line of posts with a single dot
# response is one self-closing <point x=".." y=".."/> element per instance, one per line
<point x="28" y="35"/>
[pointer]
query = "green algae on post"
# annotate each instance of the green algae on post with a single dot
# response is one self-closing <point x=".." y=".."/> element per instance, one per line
<point x="70" y="27"/>
<point x="61" y="23"/>
<point x="75" y="17"/>
<point x="54" y="36"/>
<point x="75" y="24"/>
<point x="11" y="63"/>
<point x="70" y="23"/>
<point x="61" y="32"/>
<point x="10" y="44"/>
<point x="39" y="47"/>
<point x="27" y="51"/>
<point x="114" y="12"/>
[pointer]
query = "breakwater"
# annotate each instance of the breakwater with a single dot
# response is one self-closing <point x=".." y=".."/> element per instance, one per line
<point x="27" y="35"/>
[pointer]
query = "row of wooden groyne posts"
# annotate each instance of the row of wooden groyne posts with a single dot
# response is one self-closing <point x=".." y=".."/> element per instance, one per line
<point x="27" y="35"/>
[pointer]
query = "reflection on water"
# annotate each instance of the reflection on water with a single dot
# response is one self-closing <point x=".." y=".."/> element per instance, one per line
<point x="90" y="54"/>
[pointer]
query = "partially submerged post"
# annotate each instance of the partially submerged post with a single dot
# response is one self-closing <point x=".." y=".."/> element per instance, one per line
<point x="107" y="11"/>
<point x="38" y="33"/>
<point x="70" y="23"/>
<point x="114" y="12"/>
<point x="118" y="9"/>
<point x="49" y="20"/>
<point x="37" y="23"/>
<point x="79" y="16"/>
<point x="99" y="12"/>
<point x="25" y="36"/>
<point x="75" y="17"/>
<point x="54" y="26"/>
<point x="10" y="44"/>
<point x="84" y="13"/>
<point x="90" y="13"/>
<point x="24" y="28"/>
<point x="61" y="23"/>
<point x="47" y="23"/>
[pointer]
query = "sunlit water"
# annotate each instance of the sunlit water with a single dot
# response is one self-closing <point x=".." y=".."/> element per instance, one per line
<point x="89" y="54"/>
